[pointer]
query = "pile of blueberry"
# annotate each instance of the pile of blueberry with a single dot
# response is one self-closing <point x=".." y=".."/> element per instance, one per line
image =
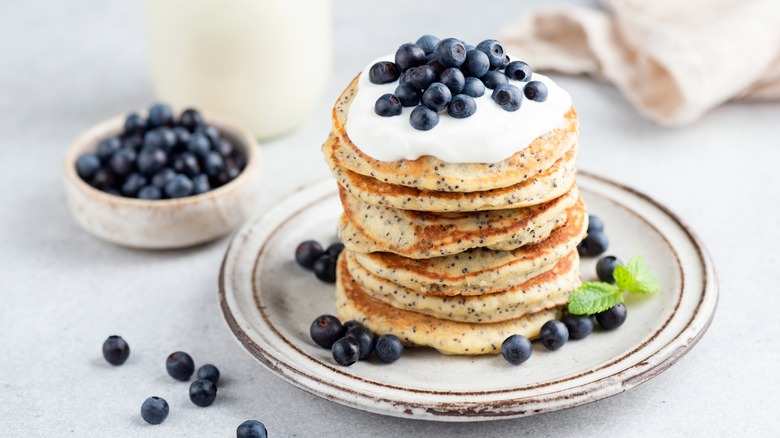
<point x="350" y="342"/>
<point x="310" y="255"/>
<point x="447" y="75"/>
<point x="180" y="366"/>
<point x="159" y="157"/>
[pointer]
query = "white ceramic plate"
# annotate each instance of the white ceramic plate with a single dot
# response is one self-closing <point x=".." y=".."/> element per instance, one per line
<point x="269" y="302"/>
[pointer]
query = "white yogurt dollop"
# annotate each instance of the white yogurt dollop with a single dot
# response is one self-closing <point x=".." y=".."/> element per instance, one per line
<point x="490" y="135"/>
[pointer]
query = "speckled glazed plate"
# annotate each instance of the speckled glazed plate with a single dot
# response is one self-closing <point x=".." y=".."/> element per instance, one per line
<point x="269" y="303"/>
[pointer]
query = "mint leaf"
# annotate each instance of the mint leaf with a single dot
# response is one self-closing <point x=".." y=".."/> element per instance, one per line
<point x="635" y="277"/>
<point x="594" y="297"/>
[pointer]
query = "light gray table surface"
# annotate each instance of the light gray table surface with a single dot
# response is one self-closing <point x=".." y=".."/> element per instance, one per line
<point x="67" y="65"/>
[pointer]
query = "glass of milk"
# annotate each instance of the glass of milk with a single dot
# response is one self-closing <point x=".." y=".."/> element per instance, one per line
<point x="264" y="63"/>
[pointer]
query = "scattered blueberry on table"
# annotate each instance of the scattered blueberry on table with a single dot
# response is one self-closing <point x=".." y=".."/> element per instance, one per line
<point x="187" y="154"/>
<point x="251" y="429"/>
<point x="115" y="350"/>
<point x="154" y="410"/>
<point x="208" y="372"/>
<point x="180" y="365"/>
<point x="203" y="392"/>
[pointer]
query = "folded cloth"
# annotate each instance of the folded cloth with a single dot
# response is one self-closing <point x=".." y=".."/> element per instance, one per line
<point x="672" y="59"/>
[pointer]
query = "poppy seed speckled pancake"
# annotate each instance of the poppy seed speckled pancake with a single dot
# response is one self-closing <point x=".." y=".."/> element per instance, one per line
<point x="430" y="173"/>
<point x="480" y="270"/>
<point x="549" y="184"/>
<point x="550" y="289"/>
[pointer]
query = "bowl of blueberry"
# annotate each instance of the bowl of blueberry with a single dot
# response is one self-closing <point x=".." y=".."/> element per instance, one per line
<point x="157" y="179"/>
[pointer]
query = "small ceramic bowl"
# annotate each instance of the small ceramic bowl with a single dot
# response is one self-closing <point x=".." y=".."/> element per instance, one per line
<point x="167" y="223"/>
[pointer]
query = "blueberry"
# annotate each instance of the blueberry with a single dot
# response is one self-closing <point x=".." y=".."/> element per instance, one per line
<point x="107" y="147"/>
<point x="335" y="249"/>
<point x="161" y="178"/>
<point x="199" y="144"/>
<point x="208" y="372"/>
<point x="180" y="366"/>
<point x="213" y="163"/>
<point x="133" y="184"/>
<point x="506" y="62"/>
<point x="182" y="136"/>
<point x="115" y="350"/>
<point x="168" y="136"/>
<point x="388" y="105"/>
<point x="593" y="244"/>
<point x="134" y="142"/>
<point x="307" y="253"/>
<point x="427" y="43"/>
<point x="384" y="72"/>
<point x="151" y="160"/>
<point x="518" y="70"/>
<point x="450" y="52"/>
<point x="160" y="115"/>
<point x="409" y="55"/>
<point x="251" y="429"/>
<point x="224" y="147"/>
<point x="554" y="334"/>
<point x="436" y="66"/>
<point x="200" y="184"/>
<point x="123" y="161"/>
<point x="179" y="187"/>
<point x="595" y="224"/>
<point x="516" y="349"/>
<point x="149" y="193"/>
<point x="423" y="118"/>
<point x="388" y="348"/>
<point x="408" y="94"/>
<point x="190" y="119"/>
<point x="365" y="340"/>
<point x="493" y="79"/>
<point x="104" y="179"/>
<point x="476" y="64"/>
<point x="613" y="317"/>
<point x="87" y="165"/>
<point x="406" y="76"/>
<point x="535" y="91"/>
<point x="154" y="410"/>
<point x="436" y="97"/>
<point x="606" y="267"/>
<point x="423" y="76"/>
<point x="579" y="326"/>
<point x="352" y="324"/>
<point x="209" y="131"/>
<point x="154" y="139"/>
<point x="326" y="330"/>
<point x="462" y="106"/>
<point x="325" y="268"/>
<point x="494" y="51"/>
<point x="453" y="79"/>
<point x="508" y="97"/>
<point x="187" y="164"/>
<point x="135" y="124"/>
<point x="474" y="87"/>
<point x="203" y="392"/>
<point x="346" y="351"/>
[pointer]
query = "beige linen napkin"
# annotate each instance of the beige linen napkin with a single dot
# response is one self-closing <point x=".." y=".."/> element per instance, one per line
<point x="673" y="59"/>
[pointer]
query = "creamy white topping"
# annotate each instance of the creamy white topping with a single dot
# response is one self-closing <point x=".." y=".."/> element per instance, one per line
<point x="490" y="135"/>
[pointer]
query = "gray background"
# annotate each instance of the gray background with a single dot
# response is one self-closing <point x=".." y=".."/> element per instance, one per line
<point x="67" y="65"/>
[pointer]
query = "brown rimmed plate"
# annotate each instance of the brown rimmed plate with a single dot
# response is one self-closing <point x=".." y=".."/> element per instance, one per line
<point x="269" y="302"/>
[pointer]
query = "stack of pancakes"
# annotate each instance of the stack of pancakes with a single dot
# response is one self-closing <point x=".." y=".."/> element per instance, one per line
<point x="457" y="256"/>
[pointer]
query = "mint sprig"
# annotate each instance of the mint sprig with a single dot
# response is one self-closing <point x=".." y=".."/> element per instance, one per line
<point x="595" y="296"/>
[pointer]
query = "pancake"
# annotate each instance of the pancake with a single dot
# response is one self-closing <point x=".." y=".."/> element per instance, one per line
<point x="480" y="270"/>
<point x="368" y="228"/>
<point x="547" y="185"/>
<point x="448" y="337"/>
<point x="430" y="173"/>
<point x="550" y="289"/>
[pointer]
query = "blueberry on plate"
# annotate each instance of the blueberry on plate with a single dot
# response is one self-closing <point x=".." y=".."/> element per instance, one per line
<point x="593" y="244"/>
<point x="154" y="410"/>
<point x="384" y="72"/>
<point x="453" y="79"/>
<point x="187" y="164"/>
<point x="107" y="147"/>
<point x="409" y="55"/>
<point x="307" y="253"/>
<point x="335" y="249"/>
<point x="427" y="43"/>
<point x="516" y="349"/>
<point x="86" y="165"/>
<point x="388" y="105"/>
<point x="160" y="115"/>
<point x="133" y="184"/>
<point x="595" y="224"/>
<point x="200" y="184"/>
<point x="388" y="348"/>
<point x="151" y="160"/>
<point x="346" y="351"/>
<point x="613" y="317"/>
<point x="518" y="70"/>
<point x="325" y="268"/>
<point x="199" y="144"/>
<point x="365" y="340"/>
<point x="104" y="179"/>
<point x="508" y="97"/>
<point x="203" y="392"/>
<point x="123" y="161"/>
<point x="135" y="124"/>
<point x="208" y="372"/>
<point x="462" y="106"/>
<point x="450" y="52"/>
<point x="493" y="79"/>
<point x="352" y="324"/>
<point x="115" y="350"/>
<point x="408" y="94"/>
<point x="150" y="193"/>
<point x="436" y="97"/>
<point x="251" y="429"/>
<point x="190" y="119"/>
<point x="326" y="330"/>
<point x="423" y="118"/>
<point x="554" y="334"/>
<point x="494" y="51"/>
<point x="476" y="64"/>
<point x="535" y="91"/>
<point x="162" y="177"/>
<point x="180" y="365"/>
<point x="423" y="76"/>
<point x="579" y="326"/>
<point x="605" y="268"/>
